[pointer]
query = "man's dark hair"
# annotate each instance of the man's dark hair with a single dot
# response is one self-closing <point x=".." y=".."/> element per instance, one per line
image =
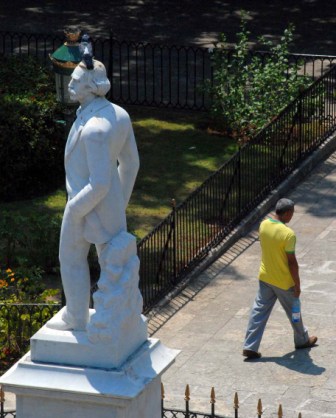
<point x="283" y="205"/>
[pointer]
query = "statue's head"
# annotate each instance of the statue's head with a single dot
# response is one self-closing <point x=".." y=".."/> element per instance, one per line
<point x="86" y="81"/>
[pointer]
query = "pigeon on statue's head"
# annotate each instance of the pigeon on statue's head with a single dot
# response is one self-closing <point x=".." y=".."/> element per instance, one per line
<point x="85" y="48"/>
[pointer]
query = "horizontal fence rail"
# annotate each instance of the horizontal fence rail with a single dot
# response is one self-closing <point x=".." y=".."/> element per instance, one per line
<point x="212" y="211"/>
<point x="152" y="74"/>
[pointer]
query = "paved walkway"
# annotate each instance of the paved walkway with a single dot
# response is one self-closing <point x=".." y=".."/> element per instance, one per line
<point x="208" y="322"/>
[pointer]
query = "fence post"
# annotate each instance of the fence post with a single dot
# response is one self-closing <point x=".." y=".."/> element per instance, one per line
<point x="110" y="65"/>
<point x="259" y="408"/>
<point x="236" y="404"/>
<point x="280" y="415"/>
<point x="187" y="399"/>
<point x="173" y="226"/>
<point x="300" y="118"/>
<point x="2" y="401"/>
<point x="239" y="179"/>
<point x="162" y="400"/>
<point x="212" y="401"/>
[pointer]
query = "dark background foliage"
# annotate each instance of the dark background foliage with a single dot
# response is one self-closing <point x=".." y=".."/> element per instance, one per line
<point x="31" y="135"/>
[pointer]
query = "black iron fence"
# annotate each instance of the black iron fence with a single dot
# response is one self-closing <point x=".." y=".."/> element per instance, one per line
<point x="187" y="412"/>
<point x="212" y="211"/>
<point x="151" y="74"/>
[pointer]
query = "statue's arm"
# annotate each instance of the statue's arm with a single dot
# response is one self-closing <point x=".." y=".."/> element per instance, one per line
<point x="94" y="137"/>
<point x="128" y="164"/>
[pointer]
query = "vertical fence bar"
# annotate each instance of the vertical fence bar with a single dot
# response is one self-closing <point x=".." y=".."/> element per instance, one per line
<point x="2" y="402"/>
<point x="187" y="399"/>
<point x="162" y="399"/>
<point x="259" y="408"/>
<point x="280" y="415"/>
<point x="174" y="226"/>
<point x="236" y="405"/>
<point x="212" y="402"/>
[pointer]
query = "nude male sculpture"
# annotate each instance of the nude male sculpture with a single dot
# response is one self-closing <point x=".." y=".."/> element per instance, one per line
<point x="101" y="164"/>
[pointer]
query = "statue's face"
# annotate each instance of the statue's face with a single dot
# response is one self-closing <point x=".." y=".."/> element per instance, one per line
<point x="78" y="87"/>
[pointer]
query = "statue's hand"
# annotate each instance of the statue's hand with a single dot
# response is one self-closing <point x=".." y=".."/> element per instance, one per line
<point x="70" y="215"/>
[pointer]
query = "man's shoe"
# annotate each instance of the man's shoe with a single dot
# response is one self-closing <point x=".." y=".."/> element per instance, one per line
<point x="251" y="354"/>
<point x="310" y="343"/>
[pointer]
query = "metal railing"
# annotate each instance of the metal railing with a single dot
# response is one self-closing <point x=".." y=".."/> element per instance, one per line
<point x="151" y="74"/>
<point x="212" y="211"/>
<point x="188" y="413"/>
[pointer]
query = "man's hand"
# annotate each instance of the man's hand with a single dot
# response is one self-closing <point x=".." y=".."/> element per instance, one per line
<point x="297" y="291"/>
<point x="294" y="270"/>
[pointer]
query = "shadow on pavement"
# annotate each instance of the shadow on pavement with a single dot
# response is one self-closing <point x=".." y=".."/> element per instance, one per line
<point x="297" y="360"/>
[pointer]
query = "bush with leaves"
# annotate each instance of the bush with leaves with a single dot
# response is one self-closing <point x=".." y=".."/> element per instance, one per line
<point x="25" y="305"/>
<point x="248" y="90"/>
<point x="29" y="241"/>
<point x="31" y="137"/>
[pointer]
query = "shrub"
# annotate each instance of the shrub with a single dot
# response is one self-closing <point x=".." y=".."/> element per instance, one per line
<point x="31" y="138"/>
<point x="25" y="305"/>
<point x="30" y="241"/>
<point x="249" y="90"/>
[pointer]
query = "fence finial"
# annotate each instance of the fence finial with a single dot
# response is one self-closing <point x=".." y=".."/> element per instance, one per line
<point x="236" y="401"/>
<point x="173" y="203"/>
<point x="187" y="393"/>
<point x="162" y="391"/>
<point x="2" y="394"/>
<point x="212" y="396"/>
<point x="259" y="408"/>
<point x="280" y="415"/>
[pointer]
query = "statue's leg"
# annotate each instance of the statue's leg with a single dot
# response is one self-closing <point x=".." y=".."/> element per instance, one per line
<point x="75" y="273"/>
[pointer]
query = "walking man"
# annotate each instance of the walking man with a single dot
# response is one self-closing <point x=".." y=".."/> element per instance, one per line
<point x="278" y="279"/>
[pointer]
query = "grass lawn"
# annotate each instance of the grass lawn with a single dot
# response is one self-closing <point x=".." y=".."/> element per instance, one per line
<point x="176" y="155"/>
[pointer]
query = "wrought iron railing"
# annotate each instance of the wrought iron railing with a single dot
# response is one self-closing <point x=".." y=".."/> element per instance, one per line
<point x="212" y="211"/>
<point x="187" y="412"/>
<point x="151" y="74"/>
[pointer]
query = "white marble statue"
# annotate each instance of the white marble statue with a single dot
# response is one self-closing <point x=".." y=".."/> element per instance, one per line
<point x="101" y="164"/>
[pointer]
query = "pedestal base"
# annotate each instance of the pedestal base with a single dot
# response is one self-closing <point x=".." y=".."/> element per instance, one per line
<point x="74" y="348"/>
<point x="52" y="390"/>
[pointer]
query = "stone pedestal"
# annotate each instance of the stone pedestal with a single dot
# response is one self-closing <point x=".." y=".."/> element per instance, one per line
<point x="75" y="347"/>
<point x="110" y="370"/>
<point x="53" y="390"/>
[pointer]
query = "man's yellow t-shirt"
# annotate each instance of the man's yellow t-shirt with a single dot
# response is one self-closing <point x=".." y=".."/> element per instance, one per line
<point x="276" y="240"/>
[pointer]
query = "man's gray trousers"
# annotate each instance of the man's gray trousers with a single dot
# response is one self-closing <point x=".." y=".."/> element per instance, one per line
<point x="265" y="299"/>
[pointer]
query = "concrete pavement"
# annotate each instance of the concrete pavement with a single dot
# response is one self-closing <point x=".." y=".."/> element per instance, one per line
<point x="208" y="320"/>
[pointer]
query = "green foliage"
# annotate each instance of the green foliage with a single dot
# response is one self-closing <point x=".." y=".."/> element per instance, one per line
<point x="248" y="91"/>
<point x="31" y="139"/>
<point x="30" y="240"/>
<point x="19" y="320"/>
<point x="25" y="285"/>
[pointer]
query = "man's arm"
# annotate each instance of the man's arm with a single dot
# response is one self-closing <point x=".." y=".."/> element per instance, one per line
<point x="294" y="270"/>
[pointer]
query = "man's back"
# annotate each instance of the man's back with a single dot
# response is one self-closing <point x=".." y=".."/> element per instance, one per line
<point x="276" y="240"/>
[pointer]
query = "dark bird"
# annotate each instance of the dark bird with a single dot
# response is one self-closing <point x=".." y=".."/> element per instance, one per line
<point x="85" y="48"/>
